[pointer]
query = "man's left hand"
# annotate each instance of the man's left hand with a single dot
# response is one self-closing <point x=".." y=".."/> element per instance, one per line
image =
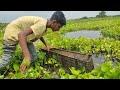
<point x="49" y="47"/>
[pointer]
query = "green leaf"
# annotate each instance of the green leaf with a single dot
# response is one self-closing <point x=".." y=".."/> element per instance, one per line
<point x="56" y="65"/>
<point x="18" y="75"/>
<point x="91" y="76"/>
<point x="31" y="75"/>
<point x="49" y="62"/>
<point x="72" y="77"/>
<point x="31" y="69"/>
<point x="80" y="76"/>
<point x="74" y="72"/>
<point x="2" y="76"/>
<point x="26" y="63"/>
<point x="67" y="76"/>
<point x="54" y="73"/>
<point x="83" y="69"/>
<point x="47" y="76"/>
<point x="10" y="75"/>
<point x="85" y="76"/>
<point x="62" y="77"/>
<point x="61" y="71"/>
<point x="54" y="56"/>
<point x="106" y="67"/>
<point x="77" y="72"/>
<point x="37" y="74"/>
<point x="16" y="67"/>
<point x="95" y="71"/>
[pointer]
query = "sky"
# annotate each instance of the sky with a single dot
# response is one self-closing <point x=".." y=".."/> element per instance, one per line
<point x="8" y="16"/>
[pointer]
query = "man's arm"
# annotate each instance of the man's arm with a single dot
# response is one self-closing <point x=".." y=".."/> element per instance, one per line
<point x="47" y="47"/>
<point x="22" y="36"/>
<point x="42" y="39"/>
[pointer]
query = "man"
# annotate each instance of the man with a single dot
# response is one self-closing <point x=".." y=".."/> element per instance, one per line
<point x="24" y="31"/>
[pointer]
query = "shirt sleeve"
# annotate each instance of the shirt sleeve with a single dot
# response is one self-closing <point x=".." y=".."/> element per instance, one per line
<point x="38" y="28"/>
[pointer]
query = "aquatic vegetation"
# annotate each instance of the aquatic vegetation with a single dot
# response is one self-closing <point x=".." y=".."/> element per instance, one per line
<point x="49" y="68"/>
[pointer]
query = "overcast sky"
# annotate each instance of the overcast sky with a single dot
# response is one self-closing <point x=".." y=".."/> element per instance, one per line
<point x="8" y="16"/>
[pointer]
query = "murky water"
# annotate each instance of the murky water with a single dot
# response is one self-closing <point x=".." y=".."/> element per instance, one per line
<point x="98" y="60"/>
<point x="84" y="33"/>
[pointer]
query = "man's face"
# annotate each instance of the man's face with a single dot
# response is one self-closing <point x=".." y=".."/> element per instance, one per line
<point x="55" y="26"/>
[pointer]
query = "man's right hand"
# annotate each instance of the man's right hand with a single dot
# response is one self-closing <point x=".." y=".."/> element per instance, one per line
<point x="25" y="64"/>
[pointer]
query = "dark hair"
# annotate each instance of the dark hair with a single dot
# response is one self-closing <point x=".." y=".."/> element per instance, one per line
<point x="59" y="16"/>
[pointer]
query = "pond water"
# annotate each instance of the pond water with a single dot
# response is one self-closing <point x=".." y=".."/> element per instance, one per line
<point x="99" y="60"/>
<point x="84" y="33"/>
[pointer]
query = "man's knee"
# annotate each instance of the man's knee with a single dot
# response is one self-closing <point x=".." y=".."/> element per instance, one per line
<point x="5" y="60"/>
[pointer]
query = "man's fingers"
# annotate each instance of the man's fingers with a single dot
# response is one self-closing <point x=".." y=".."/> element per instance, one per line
<point x="23" y="68"/>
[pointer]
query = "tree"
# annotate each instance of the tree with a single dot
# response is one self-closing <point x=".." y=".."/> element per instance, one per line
<point x="101" y="14"/>
<point x="84" y="17"/>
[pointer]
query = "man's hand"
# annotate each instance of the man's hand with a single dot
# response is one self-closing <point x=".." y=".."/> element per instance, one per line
<point x="25" y="64"/>
<point x="48" y="48"/>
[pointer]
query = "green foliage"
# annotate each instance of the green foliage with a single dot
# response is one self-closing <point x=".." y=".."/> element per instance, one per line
<point x="1" y="76"/>
<point x="26" y="63"/>
<point x="110" y="47"/>
<point x="16" y="67"/>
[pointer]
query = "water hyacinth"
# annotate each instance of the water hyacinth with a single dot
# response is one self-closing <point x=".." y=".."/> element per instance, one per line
<point x="110" y="47"/>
